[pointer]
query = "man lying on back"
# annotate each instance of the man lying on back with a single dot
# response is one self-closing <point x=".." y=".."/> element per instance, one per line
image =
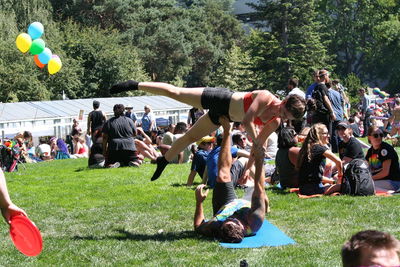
<point x="233" y="218"/>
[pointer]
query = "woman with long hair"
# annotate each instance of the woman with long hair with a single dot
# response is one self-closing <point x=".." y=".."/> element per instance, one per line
<point x="312" y="160"/>
<point x="286" y="158"/>
<point x="252" y="108"/>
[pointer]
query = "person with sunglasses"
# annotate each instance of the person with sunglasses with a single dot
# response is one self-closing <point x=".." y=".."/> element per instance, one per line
<point x="233" y="218"/>
<point x="383" y="161"/>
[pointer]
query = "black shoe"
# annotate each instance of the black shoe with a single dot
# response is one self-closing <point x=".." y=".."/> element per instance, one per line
<point x="161" y="164"/>
<point x="124" y="86"/>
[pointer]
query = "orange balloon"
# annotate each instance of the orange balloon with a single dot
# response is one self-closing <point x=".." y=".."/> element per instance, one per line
<point x="37" y="61"/>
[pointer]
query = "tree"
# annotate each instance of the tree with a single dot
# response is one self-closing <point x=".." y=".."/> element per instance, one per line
<point x="235" y="72"/>
<point x="364" y="38"/>
<point x="178" y="41"/>
<point x="293" y="45"/>
<point x="101" y="59"/>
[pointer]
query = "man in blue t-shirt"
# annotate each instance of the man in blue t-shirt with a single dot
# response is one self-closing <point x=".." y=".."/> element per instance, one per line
<point x="337" y="104"/>
<point x="237" y="168"/>
<point x="148" y="121"/>
<point x="204" y="146"/>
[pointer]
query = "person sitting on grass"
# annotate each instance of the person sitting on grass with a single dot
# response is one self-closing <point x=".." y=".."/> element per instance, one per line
<point x="43" y="150"/>
<point x="233" y="218"/>
<point x="349" y="147"/>
<point x="204" y="146"/>
<point x="238" y="167"/>
<point x="371" y="248"/>
<point x="59" y="149"/>
<point x="383" y="161"/>
<point x="7" y="207"/>
<point x="118" y="140"/>
<point x="144" y="146"/>
<point x="311" y="163"/>
<point x="286" y="158"/>
<point x="81" y="150"/>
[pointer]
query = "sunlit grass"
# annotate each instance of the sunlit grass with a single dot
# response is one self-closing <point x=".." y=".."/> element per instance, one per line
<point x="118" y="217"/>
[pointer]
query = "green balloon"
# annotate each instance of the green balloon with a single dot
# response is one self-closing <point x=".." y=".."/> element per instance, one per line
<point x="37" y="47"/>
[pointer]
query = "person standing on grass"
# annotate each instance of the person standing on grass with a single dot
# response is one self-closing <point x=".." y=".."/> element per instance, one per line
<point x="95" y="120"/>
<point x="148" y="120"/>
<point x="324" y="110"/>
<point x="259" y="107"/>
<point x="233" y="218"/>
<point x="7" y="207"/>
<point x="366" y="112"/>
<point x="337" y="104"/>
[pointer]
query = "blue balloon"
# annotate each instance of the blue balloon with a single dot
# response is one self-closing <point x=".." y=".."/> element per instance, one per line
<point x="45" y="56"/>
<point x="35" y="30"/>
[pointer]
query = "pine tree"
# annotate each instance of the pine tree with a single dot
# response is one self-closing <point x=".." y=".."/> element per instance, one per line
<point x="292" y="45"/>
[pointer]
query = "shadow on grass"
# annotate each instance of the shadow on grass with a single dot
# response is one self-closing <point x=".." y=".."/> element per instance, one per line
<point x="125" y="235"/>
<point x="194" y="185"/>
<point x="279" y="191"/>
<point x="81" y="169"/>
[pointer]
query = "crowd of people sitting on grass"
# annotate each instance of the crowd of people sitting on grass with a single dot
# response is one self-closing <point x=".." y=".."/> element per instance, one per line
<point x="306" y="150"/>
<point x="306" y="140"/>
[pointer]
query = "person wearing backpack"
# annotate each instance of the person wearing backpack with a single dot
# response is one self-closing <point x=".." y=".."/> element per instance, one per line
<point x="383" y="162"/>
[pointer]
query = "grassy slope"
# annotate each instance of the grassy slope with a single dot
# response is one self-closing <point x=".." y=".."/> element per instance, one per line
<point x="113" y="217"/>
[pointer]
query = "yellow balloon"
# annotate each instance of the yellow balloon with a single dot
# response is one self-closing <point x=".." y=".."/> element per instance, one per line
<point x="54" y="65"/>
<point x="23" y="42"/>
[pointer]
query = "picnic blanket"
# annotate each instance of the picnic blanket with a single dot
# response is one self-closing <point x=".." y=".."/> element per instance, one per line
<point x="268" y="235"/>
<point x="297" y="191"/>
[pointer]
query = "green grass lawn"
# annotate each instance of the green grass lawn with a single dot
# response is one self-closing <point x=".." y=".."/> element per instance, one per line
<point x="118" y="217"/>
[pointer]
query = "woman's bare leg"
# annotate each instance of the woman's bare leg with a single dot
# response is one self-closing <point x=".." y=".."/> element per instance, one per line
<point x="202" y="127"/>
<point x="332" y="189"/>
<point x="190" y="96"/>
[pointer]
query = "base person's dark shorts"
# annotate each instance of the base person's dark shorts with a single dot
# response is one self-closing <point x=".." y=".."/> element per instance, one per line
<point x="217" y="101"/>
<point x="223" y="194"/>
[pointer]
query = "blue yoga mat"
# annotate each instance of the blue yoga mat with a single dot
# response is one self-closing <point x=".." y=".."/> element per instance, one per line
<point x="268" y="235"/>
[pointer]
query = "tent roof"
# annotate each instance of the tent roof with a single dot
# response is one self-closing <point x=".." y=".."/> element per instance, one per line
<point x="23" y="111"/>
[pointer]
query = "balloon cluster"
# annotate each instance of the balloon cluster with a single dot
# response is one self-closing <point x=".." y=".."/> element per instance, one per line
<point x="378" y="92"/>
<point x="42" y="55"/>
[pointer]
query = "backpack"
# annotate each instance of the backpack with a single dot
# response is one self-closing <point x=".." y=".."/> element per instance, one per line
<point x="357" y="179"/>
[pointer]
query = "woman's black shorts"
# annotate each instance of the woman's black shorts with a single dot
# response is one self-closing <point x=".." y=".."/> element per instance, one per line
<point x="217" y="101"/>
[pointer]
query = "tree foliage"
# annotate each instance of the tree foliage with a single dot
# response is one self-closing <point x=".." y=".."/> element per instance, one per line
<point x="198" y="43"/>
<point x="293" y="46"/>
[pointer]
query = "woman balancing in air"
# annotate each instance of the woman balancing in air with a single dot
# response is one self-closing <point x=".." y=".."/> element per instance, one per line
<point x="252" y="108"/>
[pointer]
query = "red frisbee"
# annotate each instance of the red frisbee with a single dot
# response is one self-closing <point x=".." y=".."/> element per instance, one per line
<point x="26" y="236"/>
